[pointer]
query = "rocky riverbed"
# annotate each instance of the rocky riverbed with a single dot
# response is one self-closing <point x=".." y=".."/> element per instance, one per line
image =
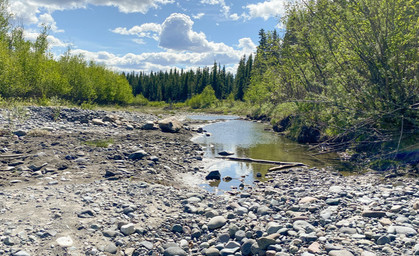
<point x="81" y="182"/>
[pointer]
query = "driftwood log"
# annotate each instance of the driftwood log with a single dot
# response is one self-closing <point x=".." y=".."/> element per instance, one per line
<point x="283" y="165"/>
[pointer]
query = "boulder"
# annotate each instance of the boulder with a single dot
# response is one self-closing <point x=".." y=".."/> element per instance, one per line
<point x="97" y="122"/>
<point x="225" y="153"/>
<point x="137" y="155"/>
<point x="213" y="175"/>
<point x="172" y="251"/>
<point x="217" y="222"/>
<point x="64" y="241"/>
<point x="170" y="124"/>
<point x="149" y="125"/>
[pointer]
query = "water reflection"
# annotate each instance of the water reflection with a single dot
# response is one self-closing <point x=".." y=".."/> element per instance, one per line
<point x="250" y="139"/>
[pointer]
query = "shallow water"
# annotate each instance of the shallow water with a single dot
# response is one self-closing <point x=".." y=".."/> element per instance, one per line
<point x="253" y="140"/>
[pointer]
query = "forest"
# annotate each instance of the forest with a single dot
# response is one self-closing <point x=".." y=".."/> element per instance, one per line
<point x="179" y="86"/>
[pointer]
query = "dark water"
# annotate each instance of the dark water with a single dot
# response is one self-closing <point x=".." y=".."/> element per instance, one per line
<point x="253" y="140"/>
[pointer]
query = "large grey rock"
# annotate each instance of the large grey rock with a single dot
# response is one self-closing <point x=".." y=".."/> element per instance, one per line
<point x="97" y="122"/>
<point x="174" y="251"/>
<point x="149" y="125"/>
<point x="64" y="241"/>
<point x="266" y="241"/>
<point x="272" y="227"/>
<point x="110" y="248"/>
<point x="229" y="251"/>
<point x="20" y="133"/>
<point x="402" y="230"/>
<point x="340" y="253"/>
<point x="22" y="253"/>
<point x="137" y="155"/>
<point x="216" y="222"/>
<point x="213" y="175"/>
<point x="212" y="251"/>
<point x="128" y="229"/>
<point x="170" y="124"/>
<point x="373" y="214"/>
<point x="247" y="246"/>
<point x="302" y="225"/>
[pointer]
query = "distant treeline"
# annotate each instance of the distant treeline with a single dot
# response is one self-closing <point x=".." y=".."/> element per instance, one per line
<point x="29" y="71"/>
<point x="179" y="85"/>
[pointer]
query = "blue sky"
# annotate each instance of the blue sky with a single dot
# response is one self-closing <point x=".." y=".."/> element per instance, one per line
<point x="146" y="35"/>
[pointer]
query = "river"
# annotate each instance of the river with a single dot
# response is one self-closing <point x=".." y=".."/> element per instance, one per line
<point x="253" y="140"/>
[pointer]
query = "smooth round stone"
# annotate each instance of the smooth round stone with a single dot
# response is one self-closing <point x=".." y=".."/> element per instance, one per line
<point x="217" y="222"/>
<point x="247" y="246"/>
<point x="232" y="229"/>
<point x="110" y="248"/>
<point x="128" y="229"/>
<point x="240" y="235"/>
<point x="383" y="240"/>
<point x="177" y="228"/>
<point x="401" y="230"/>
<point x="232" y="244"/>
<point x="241" y="211"/>
<point x="302" y="225"/>
<point x="340" y="253"/>
<point x="272" y="227"/>
<point x="212" y="251"/>
<point x="174" y="251"/>
<point x="263" y="210"/>
<point x="223" y="238"/>
<point x="64" y="241"/>
<point x="21" y="253"/>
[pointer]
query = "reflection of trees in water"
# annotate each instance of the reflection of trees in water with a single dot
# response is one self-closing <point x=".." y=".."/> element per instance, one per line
<point x="254" y="168"/>
<point x="214" y="183"/>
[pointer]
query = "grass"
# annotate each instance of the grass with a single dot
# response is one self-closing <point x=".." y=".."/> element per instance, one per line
<point x="99" y="143"/>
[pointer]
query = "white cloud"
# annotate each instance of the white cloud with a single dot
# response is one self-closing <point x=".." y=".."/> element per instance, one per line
<point x="29" y="11"/>
<point x="198" y="16"/>
<point x="267" y="9"/>
<point x="183" y="47"/>
<point x="225" y="9"/>
<point x="247" y="45"/>
<point x="125" y="6"/>
<point x="150" y="30"/>
<point x="52" y="41"/>
<point x="48" y="20"/>
<point x="177" y="34"/>
<point x="165" y="60"/>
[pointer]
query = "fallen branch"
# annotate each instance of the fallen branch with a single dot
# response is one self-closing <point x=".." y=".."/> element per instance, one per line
<point x="11" y="156"/>
<point x="261" y="161"/>
<point x="282" y="167"/>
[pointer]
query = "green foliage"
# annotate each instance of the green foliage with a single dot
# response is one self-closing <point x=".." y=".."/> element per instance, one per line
<point x="350" y="67"/>
<point x="140" y="100"/>
<point x="29" y="71"/>
<point x="99" y="143"/>
<point x="204" y="100"/>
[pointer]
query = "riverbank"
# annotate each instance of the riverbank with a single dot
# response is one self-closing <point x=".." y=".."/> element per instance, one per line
<point x="76" y="188"/>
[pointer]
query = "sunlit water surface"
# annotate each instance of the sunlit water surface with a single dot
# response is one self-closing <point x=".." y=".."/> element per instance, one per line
<point x="252" y="140"/>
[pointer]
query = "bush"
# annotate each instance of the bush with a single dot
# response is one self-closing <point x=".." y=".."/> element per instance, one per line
<point x="140" y="100"/>
<point x="204" y="100"/>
